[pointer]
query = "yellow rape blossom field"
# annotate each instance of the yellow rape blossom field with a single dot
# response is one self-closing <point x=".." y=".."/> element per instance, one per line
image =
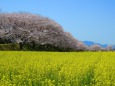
<point x="19" y="68"/>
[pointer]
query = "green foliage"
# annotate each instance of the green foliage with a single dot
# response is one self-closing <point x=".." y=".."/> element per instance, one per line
<point x="31" y="47"/>
<point x="57" y="69"/>
<point x="8" y="47"/>
<point x="46" y="47"/>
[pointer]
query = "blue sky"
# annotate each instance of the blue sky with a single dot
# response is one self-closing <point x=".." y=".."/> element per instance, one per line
<point x="92" y="20"/>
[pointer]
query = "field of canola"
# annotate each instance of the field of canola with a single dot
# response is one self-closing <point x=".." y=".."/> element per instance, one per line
<point x="57" y="68"/>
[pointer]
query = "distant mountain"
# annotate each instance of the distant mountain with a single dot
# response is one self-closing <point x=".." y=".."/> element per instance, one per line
<point x="113" y="46"/>
<point x="90" y="43"/>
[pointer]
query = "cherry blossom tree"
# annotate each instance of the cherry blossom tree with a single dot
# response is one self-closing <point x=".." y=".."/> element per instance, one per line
<point x="33" y="29"/>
